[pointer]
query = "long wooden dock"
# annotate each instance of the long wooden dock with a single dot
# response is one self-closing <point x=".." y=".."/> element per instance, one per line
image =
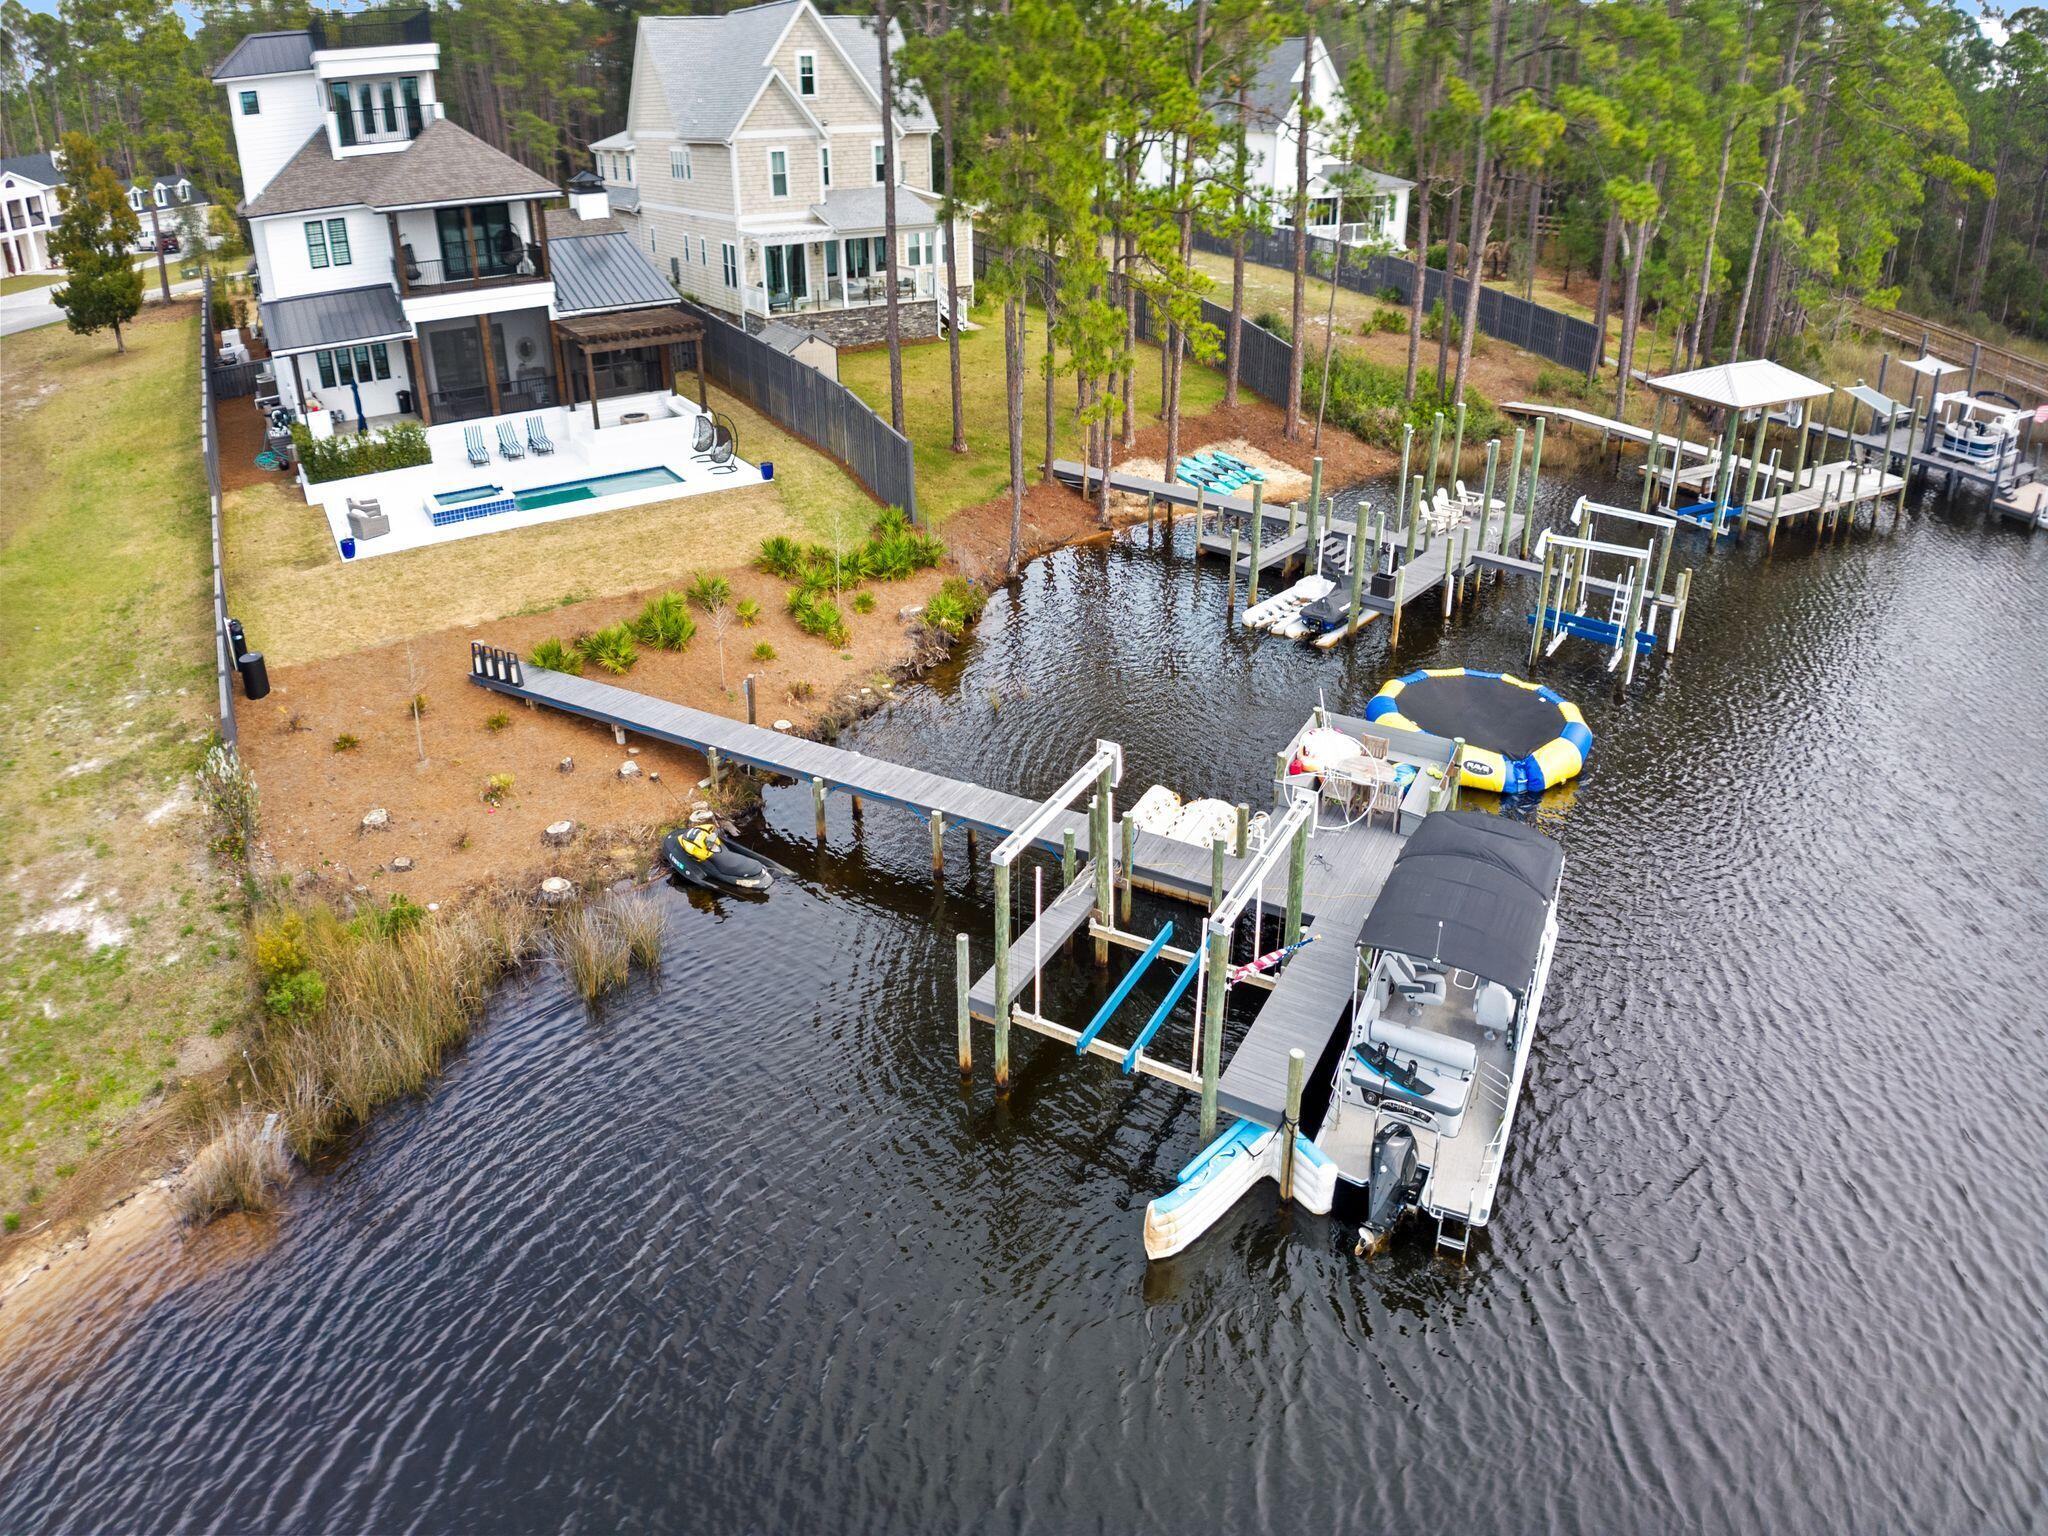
<point x="1346" y="866"/>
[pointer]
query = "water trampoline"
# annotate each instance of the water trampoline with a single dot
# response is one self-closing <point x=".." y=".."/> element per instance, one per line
<point x="1519" y="737"/>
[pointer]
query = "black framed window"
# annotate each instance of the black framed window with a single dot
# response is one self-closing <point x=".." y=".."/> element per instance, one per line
<point x="250" y="105"/>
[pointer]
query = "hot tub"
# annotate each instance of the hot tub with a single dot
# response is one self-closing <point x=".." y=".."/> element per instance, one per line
<point x="445" y="507"/>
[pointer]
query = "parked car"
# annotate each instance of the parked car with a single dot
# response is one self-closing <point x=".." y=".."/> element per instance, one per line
<point x="168" y="245"/>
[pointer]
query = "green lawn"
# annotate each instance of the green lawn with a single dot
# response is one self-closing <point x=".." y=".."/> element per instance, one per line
<point x="948" y="481"/>
<point x="117" y="940"/>
<point x="21" y="282"/>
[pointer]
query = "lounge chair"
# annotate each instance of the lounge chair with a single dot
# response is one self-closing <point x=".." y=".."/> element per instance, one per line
<point x="721" y="456"/>
<point x="537" y="436"/>
<point x="508" y="442"/>
<point x="473" y="439"/>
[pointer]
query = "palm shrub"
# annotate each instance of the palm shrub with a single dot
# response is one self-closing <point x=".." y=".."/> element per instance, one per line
<point x="611" y="647"/>
<point x="556" y="657"/>
<point x="955" y="605"/>
<point x="747" y="611"/>
<point x="780" y="556"/>
<point x="708" y="592"/>
<point x="817" y="615"/>
<point x="665" y="624"/>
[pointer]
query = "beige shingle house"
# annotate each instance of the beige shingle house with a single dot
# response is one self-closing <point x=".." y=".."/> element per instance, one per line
<point x="750" y="170"/>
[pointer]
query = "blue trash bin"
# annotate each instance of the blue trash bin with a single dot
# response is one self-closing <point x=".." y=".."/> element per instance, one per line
<point x="348" y="549"/>
<point x="767" y="469"/>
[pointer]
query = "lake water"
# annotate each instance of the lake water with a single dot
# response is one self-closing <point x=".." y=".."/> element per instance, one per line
<point x="741" y="1252"/>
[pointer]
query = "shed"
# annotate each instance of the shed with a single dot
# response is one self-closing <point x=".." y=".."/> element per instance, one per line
<point x="807" y="347"/>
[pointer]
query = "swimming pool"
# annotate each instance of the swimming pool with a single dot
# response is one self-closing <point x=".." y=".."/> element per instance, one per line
<point x="598" y="485"/>
<point x="445" y="507"/>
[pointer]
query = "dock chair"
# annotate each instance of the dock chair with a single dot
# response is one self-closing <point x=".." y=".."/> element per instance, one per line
<point x="537" y="437"/>
<point x="473" y="440"/>
<point x="509" y="446"/>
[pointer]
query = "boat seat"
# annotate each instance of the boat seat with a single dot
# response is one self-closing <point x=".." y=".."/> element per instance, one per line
<point x="1410" y="980"/>
<point x="1494" y="1009"/>
<point x="1442" y="1088"/>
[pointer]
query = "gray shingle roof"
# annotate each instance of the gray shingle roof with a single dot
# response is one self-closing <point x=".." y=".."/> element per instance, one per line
<point x="33" y="168"/>
<point x="331" y="319"/>
<point x="445" y="164"/>
<point x="603" y="271"/>
<point x="858" y="210"/>
<point x="710" y="66"/>
<point x="857" y="36"/>
<point x="267" y="53"/>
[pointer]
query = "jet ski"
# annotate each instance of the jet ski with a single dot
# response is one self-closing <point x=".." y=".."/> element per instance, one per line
<point x="702" y="857"/>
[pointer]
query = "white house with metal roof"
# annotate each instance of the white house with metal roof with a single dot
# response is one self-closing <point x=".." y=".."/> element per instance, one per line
<point x="751" y="170"/>
<point x="410" y="271"/>
<point x="408" y="268"/>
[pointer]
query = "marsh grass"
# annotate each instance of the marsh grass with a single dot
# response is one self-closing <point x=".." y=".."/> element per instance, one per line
<point x="598" y="945"/>
<point x="396" y="1003"/>
<point x="240" y="1168"/>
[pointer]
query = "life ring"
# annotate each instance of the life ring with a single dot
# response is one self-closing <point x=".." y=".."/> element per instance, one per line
<point x="1520" y="737"/>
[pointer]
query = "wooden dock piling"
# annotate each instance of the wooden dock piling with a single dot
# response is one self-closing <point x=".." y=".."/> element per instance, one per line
<point x="1251" y="596"/>
<point x="1212" y="1028"/>
<point x="938" y="821"/>
<point x="1535" y="474"/>
<point x="1290" y="1120"/>
<point x="711" y="760"/>
<point x="1216" y="856"/>
<point x="1244" y="828"/>
<point x="1514" y="488"/>
<point x="1130" y="867"/>
<point x="963" y="982"/>
<point x="747" y="687"/>
<point x="1230" y="601"/>
<point x="1002" y="877"/>
<point x="1311" y="549"/>
<point x="1486" y="498"/>
<point x="818" y="805"/>
<point x="1066" y="858"/>
<point x="1297" y="884"/>
<point x="1394" y="638"/>
<point x="1436" y="449"/>
<point x="1458" y="448"/>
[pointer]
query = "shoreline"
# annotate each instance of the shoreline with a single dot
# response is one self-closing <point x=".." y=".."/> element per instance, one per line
<point x="75" y="1251"/>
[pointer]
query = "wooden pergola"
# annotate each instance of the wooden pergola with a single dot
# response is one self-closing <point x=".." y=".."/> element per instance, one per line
<point x="630" y="330"/>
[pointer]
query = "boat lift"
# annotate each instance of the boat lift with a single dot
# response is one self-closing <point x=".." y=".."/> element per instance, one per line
<point x="1086" y="901"/>
<point x="1635" y="590"/>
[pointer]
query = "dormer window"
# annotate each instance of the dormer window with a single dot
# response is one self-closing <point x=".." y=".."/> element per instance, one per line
<point x="161" y="193"/>
<point x="135" y="198"/>
<point x="807" y="74"/>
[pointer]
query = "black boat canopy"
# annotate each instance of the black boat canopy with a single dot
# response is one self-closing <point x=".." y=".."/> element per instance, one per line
<point x="1471" y="891"/>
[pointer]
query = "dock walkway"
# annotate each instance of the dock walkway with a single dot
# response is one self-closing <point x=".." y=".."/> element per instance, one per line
<point x="1346" y="866"/>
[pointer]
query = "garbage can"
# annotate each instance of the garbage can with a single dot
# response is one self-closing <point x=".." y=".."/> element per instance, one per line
<point x="255" y="676"/>
<point x="237" y="641"/>
<point x="405" y="402"/>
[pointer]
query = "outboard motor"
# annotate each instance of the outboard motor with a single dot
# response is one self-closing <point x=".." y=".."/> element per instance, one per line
<point x="1325" y="613"/>
<point x="1391" y="1187"/>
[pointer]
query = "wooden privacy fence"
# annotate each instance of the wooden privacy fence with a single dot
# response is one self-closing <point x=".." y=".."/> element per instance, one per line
<point x="821" y="411"/>
<point x="1547" y="332"/>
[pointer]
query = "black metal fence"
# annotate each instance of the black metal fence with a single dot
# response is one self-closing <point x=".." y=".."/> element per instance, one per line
<point x="209" y="443"/>
<point x="1547" y="332"/>
<point x="821" y="411"/>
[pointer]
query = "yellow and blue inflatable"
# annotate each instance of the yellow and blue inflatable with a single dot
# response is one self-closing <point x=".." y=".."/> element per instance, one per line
<point x="1520" y="737"/>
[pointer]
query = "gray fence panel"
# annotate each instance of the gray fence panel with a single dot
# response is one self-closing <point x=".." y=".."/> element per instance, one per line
<point x="1536" y="328"/>
<point x="824" y="413"/>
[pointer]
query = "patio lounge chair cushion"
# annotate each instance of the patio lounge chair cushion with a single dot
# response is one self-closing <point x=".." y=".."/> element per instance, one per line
<point x="537" y="436"/>
<point x="473" y="440"/>
<point x="508" y="444"/>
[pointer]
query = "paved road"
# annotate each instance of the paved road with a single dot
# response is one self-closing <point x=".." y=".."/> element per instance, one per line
<point x="30" y="308"/>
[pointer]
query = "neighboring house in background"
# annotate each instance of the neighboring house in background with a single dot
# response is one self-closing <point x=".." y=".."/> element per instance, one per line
<point x="30" y="186"/>
<point x="1374" y="205"/>
<point x="750" y="170"/>
<point x="405" y="262"/>
<point x="167" y="205"/>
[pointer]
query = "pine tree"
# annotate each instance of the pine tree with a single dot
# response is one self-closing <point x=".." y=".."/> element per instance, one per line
<point x="90" y="241"/>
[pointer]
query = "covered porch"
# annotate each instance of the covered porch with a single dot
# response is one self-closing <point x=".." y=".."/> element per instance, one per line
<point x="626" y="353"/>
<point x="839" y="260"/>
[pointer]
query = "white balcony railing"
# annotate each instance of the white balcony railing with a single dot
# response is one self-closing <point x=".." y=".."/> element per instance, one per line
<point x="912" y="284"/>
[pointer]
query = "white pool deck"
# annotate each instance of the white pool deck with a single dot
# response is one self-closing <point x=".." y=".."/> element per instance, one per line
<point x="582" y="452"/>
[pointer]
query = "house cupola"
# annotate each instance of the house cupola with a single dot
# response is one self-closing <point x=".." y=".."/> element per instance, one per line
<point x="587" y="198"/>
